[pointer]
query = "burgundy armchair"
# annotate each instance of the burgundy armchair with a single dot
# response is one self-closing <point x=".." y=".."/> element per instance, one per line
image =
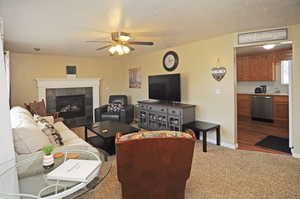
<point x="154" y="167"/>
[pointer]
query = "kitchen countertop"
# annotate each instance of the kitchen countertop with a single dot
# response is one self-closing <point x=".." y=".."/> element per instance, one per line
<point x="268" y="94"/>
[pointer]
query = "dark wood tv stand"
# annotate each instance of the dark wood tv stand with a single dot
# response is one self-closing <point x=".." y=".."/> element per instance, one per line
<point x="156" y="115"/>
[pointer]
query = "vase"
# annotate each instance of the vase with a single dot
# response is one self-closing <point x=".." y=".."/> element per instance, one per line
<point x="48" y="161"/>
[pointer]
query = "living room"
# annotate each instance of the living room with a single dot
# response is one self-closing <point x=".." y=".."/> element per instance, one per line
<point x="40" y="56"/>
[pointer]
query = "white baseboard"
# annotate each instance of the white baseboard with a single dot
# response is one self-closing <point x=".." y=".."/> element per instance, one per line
<point x="295" y="155"/>
<point x="224" y="144"/>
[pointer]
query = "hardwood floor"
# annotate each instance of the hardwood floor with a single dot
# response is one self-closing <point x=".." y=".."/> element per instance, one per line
<point x="79" y="131"/>
<point x="250" y="132"/>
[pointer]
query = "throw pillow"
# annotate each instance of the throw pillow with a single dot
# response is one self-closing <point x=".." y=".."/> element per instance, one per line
<point x="53" y="135"/>
<point x="49" y="119"/>
<point x="48" y="128"/>
<point x="29" y="139"/>
<point x="155" y="134"/>
<point x="116" y="107"/>
<point x="20" y="117"/>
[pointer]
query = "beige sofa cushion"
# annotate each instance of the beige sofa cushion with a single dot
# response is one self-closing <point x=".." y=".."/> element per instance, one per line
<point x="20" y="110"/>
<point x="66" y="133"/>
<point x="29" y="139"/>
<point x="21" y="117"/>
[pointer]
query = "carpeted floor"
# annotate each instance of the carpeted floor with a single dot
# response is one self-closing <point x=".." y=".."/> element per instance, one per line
<point x="225" y="173"/>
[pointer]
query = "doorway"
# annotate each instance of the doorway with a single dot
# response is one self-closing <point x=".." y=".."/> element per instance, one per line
<point x="263" y="94"/>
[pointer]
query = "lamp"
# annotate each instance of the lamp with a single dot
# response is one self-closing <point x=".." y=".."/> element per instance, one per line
<point x="120" y="49"/>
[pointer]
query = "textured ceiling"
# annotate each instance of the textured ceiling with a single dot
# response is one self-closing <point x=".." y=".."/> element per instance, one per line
<point x="62" y="26"/>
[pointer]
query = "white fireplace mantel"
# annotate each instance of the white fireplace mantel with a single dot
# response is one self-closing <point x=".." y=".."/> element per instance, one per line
<point x="44" y="83"/>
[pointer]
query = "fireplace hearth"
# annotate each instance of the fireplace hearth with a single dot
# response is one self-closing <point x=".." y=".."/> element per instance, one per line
<point x="70" y="106"/>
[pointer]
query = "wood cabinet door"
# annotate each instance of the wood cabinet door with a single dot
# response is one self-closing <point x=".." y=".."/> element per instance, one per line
<point x="244" y="105"/>
<point x="239" y="62"/>
<point x="256" y="68"/>
<point x="281" y="108"/>
<point x="263" y="70"/>
<point x="243" y="68"/>
<point x="268" y="69"/>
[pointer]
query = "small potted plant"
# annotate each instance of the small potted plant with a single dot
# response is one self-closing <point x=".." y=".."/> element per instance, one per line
<point x="48" y="160"/>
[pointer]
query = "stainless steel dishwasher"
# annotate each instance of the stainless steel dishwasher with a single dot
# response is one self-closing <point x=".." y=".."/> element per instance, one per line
<point x="262" y="108"/>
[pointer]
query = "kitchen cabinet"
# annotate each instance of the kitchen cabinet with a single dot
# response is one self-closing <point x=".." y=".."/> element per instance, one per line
<point x="280" y="106"/>
<point x="244" y="105"/>
<point x="256" y="67"/>
<point x="243" y="69"/>
<point x="261" y="67"/>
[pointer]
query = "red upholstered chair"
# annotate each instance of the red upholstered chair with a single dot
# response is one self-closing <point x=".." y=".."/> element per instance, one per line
<point x="151" y="166"/>
<point x="39" y="108"/>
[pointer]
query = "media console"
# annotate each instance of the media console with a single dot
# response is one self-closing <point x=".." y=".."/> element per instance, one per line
<point x="164" y="116"/>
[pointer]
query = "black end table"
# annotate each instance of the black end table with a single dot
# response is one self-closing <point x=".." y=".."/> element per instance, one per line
<point x="200" y="126"/>
<point x="105" y="132"/>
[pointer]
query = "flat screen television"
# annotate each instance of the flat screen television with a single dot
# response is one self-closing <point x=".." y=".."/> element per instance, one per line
<point x="165" y="87"/>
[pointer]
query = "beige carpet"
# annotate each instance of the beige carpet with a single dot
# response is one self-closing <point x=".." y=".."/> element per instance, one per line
<point x="226" y="173"/>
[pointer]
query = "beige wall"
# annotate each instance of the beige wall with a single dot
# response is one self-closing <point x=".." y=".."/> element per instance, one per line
<point x="26" y="67"/>
<point x="198" y="86"/>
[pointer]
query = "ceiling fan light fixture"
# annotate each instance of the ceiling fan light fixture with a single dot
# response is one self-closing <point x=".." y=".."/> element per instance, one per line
<point x="121" y="43"/>
<point x="112" y="50"/>
<point x="124" y="38"/>
<point x="120" y="49"/>
<point x="126" y="49"/>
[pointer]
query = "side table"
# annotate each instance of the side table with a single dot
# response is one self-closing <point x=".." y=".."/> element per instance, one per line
<point x="200" y="126"/>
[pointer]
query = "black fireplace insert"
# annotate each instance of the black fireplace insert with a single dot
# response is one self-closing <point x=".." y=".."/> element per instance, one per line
<point x="71" y="106"/>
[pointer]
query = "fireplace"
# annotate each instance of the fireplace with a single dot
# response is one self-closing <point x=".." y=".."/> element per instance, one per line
<point x="50" y="88"/>
<point x="71" y="106"/>
<point x="74" y="104"/>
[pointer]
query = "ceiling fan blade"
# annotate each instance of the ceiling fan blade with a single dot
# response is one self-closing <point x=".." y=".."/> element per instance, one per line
<point x="130" y="47"/>
<point x="115" y="36"/>
<point x="103" y="47"/>
<point x="95" y="41"/>
<point x="146" y="43"/>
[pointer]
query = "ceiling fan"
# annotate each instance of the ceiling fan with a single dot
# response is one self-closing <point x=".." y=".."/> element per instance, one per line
<point x="121" y="43"/>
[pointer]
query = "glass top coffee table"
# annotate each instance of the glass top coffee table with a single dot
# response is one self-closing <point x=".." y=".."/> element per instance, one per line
<point x="105" y="132"/>
<point x="33" y="182"/>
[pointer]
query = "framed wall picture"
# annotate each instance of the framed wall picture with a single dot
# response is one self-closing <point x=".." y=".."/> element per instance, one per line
<point x="135" y="78"/>
<point x="71" y="71"/>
